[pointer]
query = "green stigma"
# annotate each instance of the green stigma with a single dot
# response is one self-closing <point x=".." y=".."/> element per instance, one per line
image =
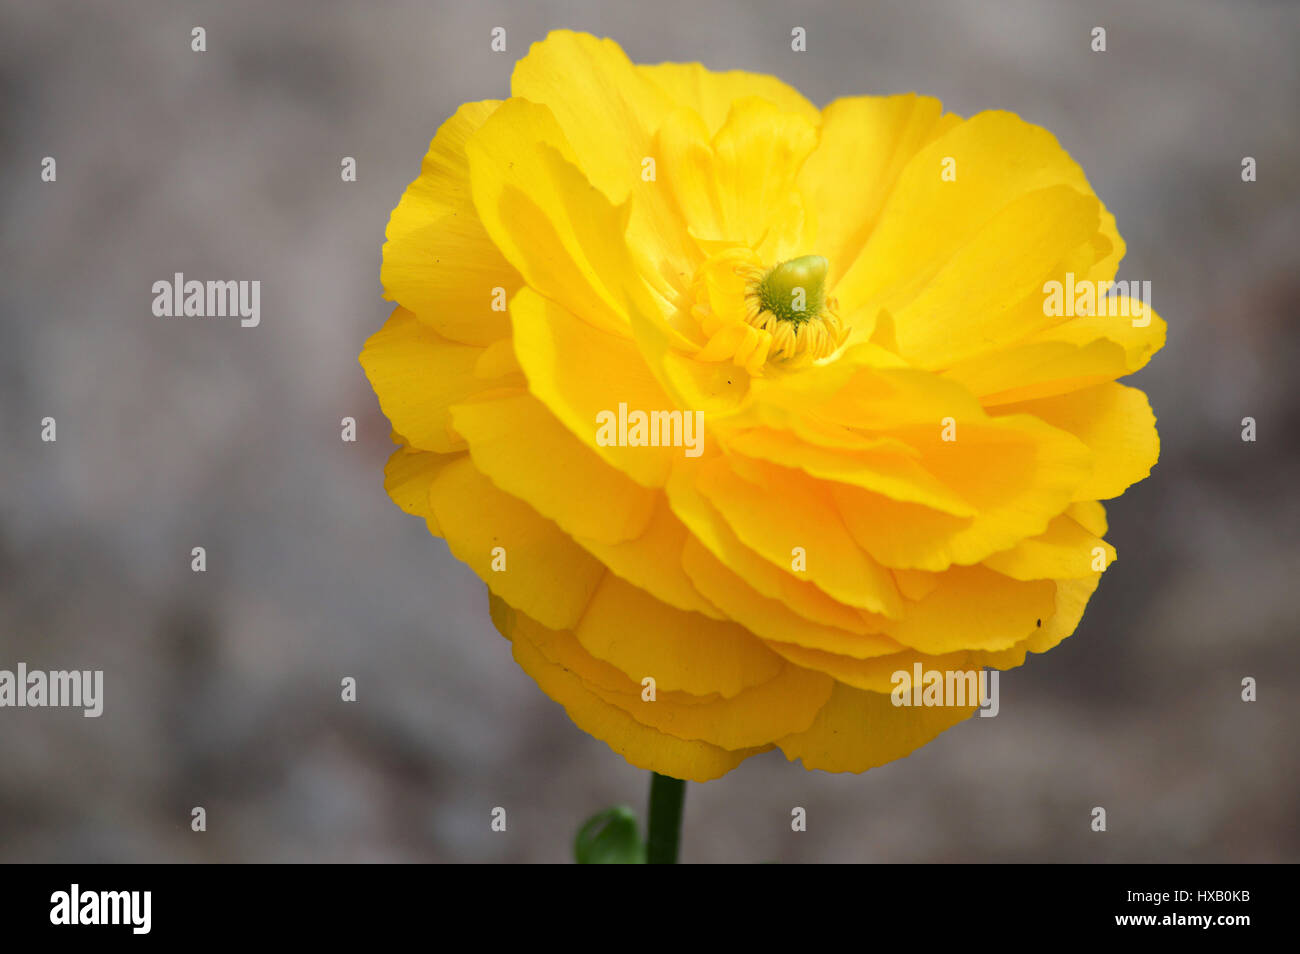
<point x="795" y="291"/>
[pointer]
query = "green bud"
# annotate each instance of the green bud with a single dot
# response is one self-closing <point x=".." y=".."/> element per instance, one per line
<point x="610" y="838"/>
<point x="795" y="291"/>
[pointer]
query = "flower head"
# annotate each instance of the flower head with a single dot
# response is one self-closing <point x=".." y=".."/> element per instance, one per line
<point x="903" y="449"/>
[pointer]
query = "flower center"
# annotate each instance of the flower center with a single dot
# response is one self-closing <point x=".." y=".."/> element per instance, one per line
<point x="794" y="291"/>
<point x="760" y="316"/>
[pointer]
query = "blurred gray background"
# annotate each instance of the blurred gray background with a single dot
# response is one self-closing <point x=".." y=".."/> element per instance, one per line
<point x="222" y="689"/>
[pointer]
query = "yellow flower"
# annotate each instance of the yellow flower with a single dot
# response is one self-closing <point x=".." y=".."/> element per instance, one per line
<point x="903" y="445"/>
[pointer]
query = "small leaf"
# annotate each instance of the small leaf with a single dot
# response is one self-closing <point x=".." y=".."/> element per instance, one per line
<point x="610" y="838"/>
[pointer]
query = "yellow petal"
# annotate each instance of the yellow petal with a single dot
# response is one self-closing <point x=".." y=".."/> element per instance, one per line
<point x="772" y="619"/>
<point x="1077" y="353"/>
<point x="1071" y="600"/>
<point x="865" y="143"/>
<point x="768" y="580"/>
<point x="742" y="186"/>
<point x="875" y="674"/>
<point x="916" y="585"/>
<point x="438" y="260"/>
<point x="545" y="575"/>
<point x="774" y="510"/>
<point x="527" y="453"/>
<point x="644" y="747"/>
<point x="653" y="562"/>
<point x="1064" y="551"/>
<point x="407" y="478"/>
<point x="998" y="158"/>
<point x="560" y="232"/>
<point x="632" y="630"/>
<point x="578" y="77"/>
<point x="786" y="703"/>
<point x="1091" y="515"/>
<point x="1118" y="427"/>
<point x="608" y="110"/>
<point x="973" y="608"/>
<point x="858" y="730"/>
<point x="711" y="94"/>
<point x="1018" y="478"/>
<point x="1036" y="369"/>
<point x="1133" y="326"/>
<point x="611" y="371"/>
<point x="989" y="292"/>
<point x="882" y="470"/>
<point x="418" y="375"/>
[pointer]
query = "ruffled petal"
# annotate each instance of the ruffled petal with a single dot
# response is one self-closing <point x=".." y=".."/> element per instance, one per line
<point x="526" y="560"/>
<point x="643" y="746"/>
<point x="1116" y="424"/>
<point x="418" y="375"/>
<point x="633" y="631"/>
<point x="526" y="452"/>
<point x="858" y="730"/>
<point x="711" y="94"/>
<point x="439" y="262"/>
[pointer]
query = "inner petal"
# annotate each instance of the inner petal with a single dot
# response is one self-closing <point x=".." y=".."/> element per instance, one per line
<point x="761" y="316"/>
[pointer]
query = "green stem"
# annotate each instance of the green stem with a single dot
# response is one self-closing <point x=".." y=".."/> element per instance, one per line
<point x="666" y="797"/>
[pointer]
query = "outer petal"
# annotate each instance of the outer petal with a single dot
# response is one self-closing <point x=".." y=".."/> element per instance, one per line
<point x="1118" y="427"/>
<point x="774" y="511"/>
<point x="1018" y="478"/>
<point x="408" y="476"/>
<point x="1134" y="327"/>
<point x="712" y="94"/>
<point x="876" y="674"/>
<point x="578" y="78"/>
<point x="858" y="730"/>
<point x="630" y="629"/>
<point x="546" y="575"/>
<point x="654" y="562"/>
<point x="1067" y="356"/>
<point x="999" y="159"/>
<point x="1065" y="551"/>
<point x="786" y="703"/>
<point x="990" y="291"/>
<point x="1090" y="514"/>
<point x="526" y="452"/>
<point x="771" y="619"/>
<point x="546" y="218"/>
<point x="801" y="597"/>
<point x="607" y="108"/>
<point x="611" y="372"/>
<point x="974" y="608"/>
<point x="1071" y="600"/>
<point x="885" y="470"/>
<point x="641" y="745"/>
<point x="418" y="375"/>
<point x="865" y="143"/>
<point x="1036" y="369"/>
<point x="438" y="260"/>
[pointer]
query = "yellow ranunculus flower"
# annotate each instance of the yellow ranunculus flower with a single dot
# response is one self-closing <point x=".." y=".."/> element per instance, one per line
<point x="902" y="449"/>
